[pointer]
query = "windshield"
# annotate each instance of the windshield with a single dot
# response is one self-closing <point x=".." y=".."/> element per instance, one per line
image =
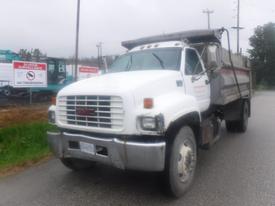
<point x="151" y="59"/>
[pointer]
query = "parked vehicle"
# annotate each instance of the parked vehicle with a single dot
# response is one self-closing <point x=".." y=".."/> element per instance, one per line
<point x="160" y="102"/>
<point x="57" y="78"/>
<point x="7" y="56"/>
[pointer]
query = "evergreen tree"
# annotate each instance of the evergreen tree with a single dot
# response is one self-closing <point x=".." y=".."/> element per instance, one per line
<point x="262" y="54"/>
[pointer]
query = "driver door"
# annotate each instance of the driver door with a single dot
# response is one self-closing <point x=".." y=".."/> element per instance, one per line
<point x="196" y="79"/>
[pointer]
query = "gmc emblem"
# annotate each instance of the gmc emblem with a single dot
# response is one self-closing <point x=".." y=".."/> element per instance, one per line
<point x="82" y="111"/>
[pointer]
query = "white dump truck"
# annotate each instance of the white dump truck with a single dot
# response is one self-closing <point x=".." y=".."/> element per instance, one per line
<point x="158" y="104"/>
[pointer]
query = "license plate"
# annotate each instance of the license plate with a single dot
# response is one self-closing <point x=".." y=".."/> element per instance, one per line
<point x="87" y="147"/>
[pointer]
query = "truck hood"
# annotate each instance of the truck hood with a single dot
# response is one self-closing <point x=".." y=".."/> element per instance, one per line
<point x="116" y="83"/>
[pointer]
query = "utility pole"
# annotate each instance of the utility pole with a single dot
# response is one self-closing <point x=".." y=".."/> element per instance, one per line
<point x="208" y="12"/>
<point x="76" y="39"/>
<point x="99" y="53"/>
<point x="238" y="28"/>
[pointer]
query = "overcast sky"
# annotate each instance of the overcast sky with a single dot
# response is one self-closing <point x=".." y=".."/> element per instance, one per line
<point x="50" y="24"/>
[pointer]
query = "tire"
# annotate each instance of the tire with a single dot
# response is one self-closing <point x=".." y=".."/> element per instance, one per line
<point x="181" y="164"/>
<point x="241" y="124"/>
<point x="7" y="91"/>
<point x="77" y="164"/>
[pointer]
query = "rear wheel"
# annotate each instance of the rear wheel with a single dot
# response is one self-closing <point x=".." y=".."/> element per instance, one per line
<point x="7" y="91"/>
<point x="182" y="162"/>
<point x="77" y="164"/>
<point x="241" y="124"/>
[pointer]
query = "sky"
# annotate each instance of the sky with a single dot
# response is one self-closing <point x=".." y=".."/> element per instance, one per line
<point x="50" y="24"/>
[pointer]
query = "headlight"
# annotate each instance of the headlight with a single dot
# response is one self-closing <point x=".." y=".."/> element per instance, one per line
<point x="51" y="117"/>
<point x="148" y="123"/>
<point x="152" y="123"/>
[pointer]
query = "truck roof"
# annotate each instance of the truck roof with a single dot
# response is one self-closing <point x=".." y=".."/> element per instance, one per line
<point x="158" y="45"/>
<point x="192" y="36"/>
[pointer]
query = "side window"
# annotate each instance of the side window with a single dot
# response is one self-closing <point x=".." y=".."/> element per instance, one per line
<point x="51" y="68"/>
<point x="62" y="68"/>
<point x="192" y="62"/>
<point x="121" y="63"/>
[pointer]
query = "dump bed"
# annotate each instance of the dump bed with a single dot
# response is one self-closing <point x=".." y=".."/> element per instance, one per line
<point x="227" y="83"/>
<point x="224" y="88"/>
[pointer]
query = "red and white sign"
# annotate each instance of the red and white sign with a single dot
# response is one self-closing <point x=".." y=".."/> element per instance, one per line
<point x="85" y="72"/>
<point x="29" y="74"/>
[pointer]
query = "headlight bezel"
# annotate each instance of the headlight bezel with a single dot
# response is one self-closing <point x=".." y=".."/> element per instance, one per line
<point x="158" y="121"/>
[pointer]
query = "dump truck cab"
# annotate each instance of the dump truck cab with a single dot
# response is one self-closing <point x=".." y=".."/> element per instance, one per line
<point x="160" y="101"/>
<point x="174" y="56"/>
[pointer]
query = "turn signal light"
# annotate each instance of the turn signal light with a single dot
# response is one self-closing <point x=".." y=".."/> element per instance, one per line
<point x="53" y="100"/>
<point x="148" y="103"/>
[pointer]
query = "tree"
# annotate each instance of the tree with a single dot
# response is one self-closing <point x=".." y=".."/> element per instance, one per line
<point x="262" y="54"/>
<point x="25" y="54"/>
<point x="33" y="55"/>
<point x="36" y="54"/>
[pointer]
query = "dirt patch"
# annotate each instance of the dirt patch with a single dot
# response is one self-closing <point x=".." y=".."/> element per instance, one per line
<point x="22" y="114"/>
<point x="17" y="115"/>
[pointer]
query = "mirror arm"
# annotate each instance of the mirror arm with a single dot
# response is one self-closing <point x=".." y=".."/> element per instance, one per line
<point x="198" y="76"/>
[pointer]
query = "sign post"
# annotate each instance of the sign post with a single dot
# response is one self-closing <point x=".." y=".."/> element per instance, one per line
<point x="29" y="75"/>
<point x="30" y="95"/>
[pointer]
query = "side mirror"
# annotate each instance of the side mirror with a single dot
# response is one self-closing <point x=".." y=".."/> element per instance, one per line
<point x="212" y="65"/>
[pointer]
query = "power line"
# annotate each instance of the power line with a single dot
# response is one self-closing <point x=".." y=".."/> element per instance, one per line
<point x="208" y="12"/>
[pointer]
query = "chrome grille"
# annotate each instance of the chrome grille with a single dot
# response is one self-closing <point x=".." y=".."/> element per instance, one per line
<point x="91" y="111"/>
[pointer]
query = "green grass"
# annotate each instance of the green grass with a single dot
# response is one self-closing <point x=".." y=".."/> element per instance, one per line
<point x="22" y="143"/>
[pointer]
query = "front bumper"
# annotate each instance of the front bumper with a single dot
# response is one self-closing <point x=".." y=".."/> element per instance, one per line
<point x="123" y="154"/>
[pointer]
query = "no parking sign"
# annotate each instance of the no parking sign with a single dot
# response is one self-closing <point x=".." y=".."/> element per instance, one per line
<point x="29" y="74"/>
<point x="85" y="72"/>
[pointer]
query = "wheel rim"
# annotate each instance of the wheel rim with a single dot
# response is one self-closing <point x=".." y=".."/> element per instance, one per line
<point x="7" y="92"/>
<point x="186" y="161"/>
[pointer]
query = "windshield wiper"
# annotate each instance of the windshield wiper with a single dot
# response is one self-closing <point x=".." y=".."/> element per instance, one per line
<point x="159" y="59"/>
<point x="129" y="64"/>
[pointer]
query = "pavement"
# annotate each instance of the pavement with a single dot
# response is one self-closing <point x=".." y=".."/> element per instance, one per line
<point x="239" y="170"/>
<point x="3" y="99"/>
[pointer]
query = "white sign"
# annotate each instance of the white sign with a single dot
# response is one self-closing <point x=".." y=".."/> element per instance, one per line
<point x="29" y="74"/>
<point x="85" y="72"/>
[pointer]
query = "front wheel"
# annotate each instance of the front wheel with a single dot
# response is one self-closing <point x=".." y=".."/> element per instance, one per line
<point x="182" y="162"/>
<point x="7" y="91"/>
